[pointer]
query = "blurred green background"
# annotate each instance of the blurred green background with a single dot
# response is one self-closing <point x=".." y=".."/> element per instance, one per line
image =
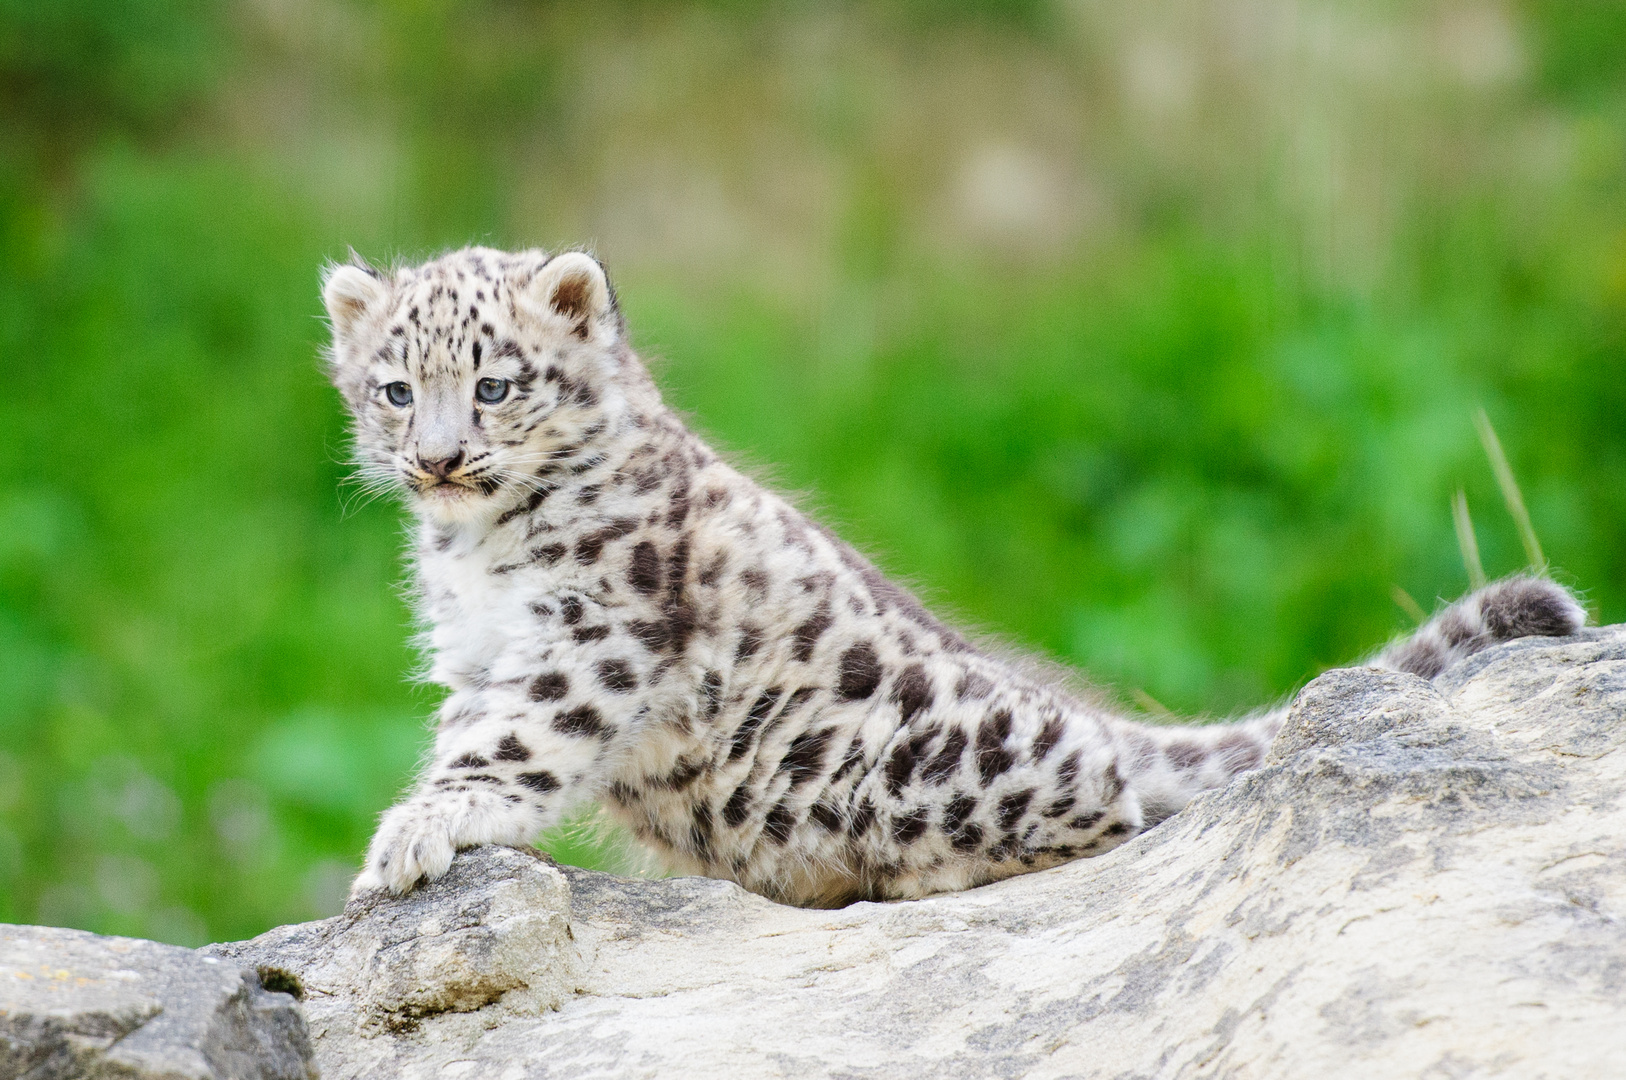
<point x="1144" y="334"/>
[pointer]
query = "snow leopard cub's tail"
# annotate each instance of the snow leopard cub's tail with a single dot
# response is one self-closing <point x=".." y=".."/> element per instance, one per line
<point x="1515" y="607"/>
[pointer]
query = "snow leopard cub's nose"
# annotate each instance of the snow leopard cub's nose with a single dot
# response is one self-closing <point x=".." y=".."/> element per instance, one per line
<point x="440" y="467"/>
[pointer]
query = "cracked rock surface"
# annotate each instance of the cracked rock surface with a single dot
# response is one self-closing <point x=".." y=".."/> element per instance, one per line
<point x="487" y="943"/>
<point x="1422" y="880"/>
<point x="78" y="1006"/>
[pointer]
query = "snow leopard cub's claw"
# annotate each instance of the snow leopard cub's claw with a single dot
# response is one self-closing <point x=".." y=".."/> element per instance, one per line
<point x="414" y="843"/>
<point x="1515" y="607"/>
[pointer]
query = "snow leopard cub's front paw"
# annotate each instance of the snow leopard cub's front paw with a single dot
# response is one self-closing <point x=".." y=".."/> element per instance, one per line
<point x="414" y="842"/>
<point x="417" y="838"/>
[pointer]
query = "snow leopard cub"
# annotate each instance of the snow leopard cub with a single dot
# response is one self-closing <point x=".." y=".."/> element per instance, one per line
<point x="619" y="615"/>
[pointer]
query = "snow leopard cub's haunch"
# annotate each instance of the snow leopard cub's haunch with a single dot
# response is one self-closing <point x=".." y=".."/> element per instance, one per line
<point x="619" y="615"/>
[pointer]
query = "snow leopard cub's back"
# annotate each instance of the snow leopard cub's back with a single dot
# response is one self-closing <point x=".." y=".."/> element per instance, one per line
<point x="619" y="615"/>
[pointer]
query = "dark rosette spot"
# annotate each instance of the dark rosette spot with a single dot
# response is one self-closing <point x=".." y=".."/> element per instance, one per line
<point x="899" y="768"/>
<point x="807" y="635"/>
<point x="913" y="691"/>
<point x="958" y="812"/>
<point x="778" y="824"/>
<point x="1184" y="754"/>
<point x="750" y="642"/>
<point x="805" y="758"/>
<point x="746" y="732"/>
<point x="549" y="686"/>
<point x="826" y="816"/>
<point x="738" y="807"/>
<point x="992" y="756"/>
<point x="644" y="574"/>
<point x="858" y="672"/>
<point x="541" y="782"/>
<point x="973" y="687"/>
<point x="910" y="827"/>
<point x="1013" y="806"/>
<point x="617" y="676"/>
<point x="711" y="693"/>
<point x="863" y="818"/>
<point x="589" y="547"/>
<point x="1049" y="735"/>
<point x="1239" y="751"/>
<point x="584" y="721"/>
<point x="944" y="763"/>
<point x="1060" y="807"/>
<point x="511" y="749"/>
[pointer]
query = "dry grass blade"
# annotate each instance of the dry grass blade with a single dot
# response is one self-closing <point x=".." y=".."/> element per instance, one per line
<point x="1406" y="603"/>
<point x="1466" y="540"/>
<point x="1510" y="490"/>
<point x="1149" y="703"/>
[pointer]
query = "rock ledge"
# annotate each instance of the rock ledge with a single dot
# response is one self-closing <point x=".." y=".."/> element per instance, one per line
<point x="1422" y="880"/>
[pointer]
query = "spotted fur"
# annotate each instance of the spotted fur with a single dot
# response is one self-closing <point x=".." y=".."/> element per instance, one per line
<point x="619" y="615"/>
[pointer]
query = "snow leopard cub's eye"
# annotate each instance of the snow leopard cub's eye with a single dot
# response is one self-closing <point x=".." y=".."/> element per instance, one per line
<point x="491" y="391"/>
<point x="399" y="393"/>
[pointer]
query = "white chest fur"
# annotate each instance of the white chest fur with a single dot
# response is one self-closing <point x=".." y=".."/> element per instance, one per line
<point x="474" y="615"/>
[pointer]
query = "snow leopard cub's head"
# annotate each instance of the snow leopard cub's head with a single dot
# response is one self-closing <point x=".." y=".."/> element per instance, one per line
<point x="473" y="378"/>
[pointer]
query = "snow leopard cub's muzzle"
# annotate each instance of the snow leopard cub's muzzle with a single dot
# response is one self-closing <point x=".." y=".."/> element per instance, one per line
<point x="446" y="451"/>
<point x="455" y="419"/>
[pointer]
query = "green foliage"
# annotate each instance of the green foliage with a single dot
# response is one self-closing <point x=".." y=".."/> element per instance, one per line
<point x="1177" y="456"/>
<point x="1582" y="45"/>
<point x="70" y="69"/>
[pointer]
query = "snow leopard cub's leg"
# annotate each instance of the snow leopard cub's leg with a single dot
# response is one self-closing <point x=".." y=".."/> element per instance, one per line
<point x="1515" y="607"/>
<point x="509" y="761"/>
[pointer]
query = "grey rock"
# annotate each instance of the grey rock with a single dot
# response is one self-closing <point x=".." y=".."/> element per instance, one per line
<point x="75" y="1005"/>
<point x="1423" y="880"/>
<point x="492" y="936"/>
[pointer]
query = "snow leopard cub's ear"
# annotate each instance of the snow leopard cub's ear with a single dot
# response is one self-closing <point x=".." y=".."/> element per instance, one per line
<point x="354" y="294"/>
<point x="573" y="286"/>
